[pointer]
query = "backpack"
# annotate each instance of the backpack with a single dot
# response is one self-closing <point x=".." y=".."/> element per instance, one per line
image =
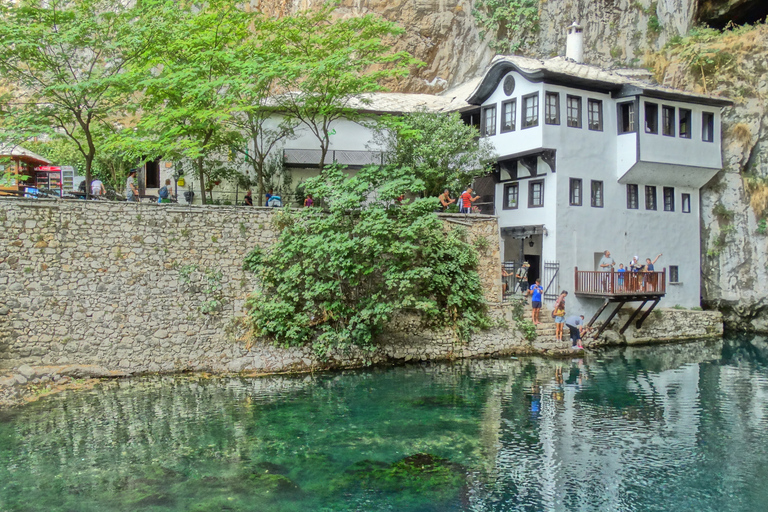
<point x="163" y="192"/>
<point x="275" y="201"/>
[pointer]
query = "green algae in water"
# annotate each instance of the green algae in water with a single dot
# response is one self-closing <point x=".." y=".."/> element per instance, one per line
<point x="679" y="427"/>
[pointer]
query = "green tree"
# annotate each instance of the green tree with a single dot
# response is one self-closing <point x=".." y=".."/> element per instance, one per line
<point x="187" y="93"/>
<point x="66" y="67"/>
<point x="511" y="24"/>
<point x="324" y="64"/>
<point x="443" y="151"/>
<point x="335" y="277"/>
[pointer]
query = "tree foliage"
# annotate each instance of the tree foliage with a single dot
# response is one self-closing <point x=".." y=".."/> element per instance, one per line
<point x="323" y="64"/>
<point x="442" y="150"/>
<point x="335" y="278"/>
<point x="509" y="24"/>
<point x="65" y="66"/>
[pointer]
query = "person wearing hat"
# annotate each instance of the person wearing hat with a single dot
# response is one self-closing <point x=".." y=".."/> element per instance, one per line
<point x="522" y="276"/>
<point x="131" y="192"/>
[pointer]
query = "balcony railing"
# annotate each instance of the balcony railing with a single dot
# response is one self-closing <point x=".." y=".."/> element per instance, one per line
<point x="618" y="284"/>
<point x="311" y="157"/>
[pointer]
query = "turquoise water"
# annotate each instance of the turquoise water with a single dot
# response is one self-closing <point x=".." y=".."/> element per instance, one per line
<point x="663" y="428"/>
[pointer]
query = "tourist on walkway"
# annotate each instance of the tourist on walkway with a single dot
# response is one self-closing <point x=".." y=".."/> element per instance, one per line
<point x="308" y="201"/>
<point x="536" y="291"/>
<point x="97" y="188"/>
<point x="268" y="196"/>
<point x="445" y="200"/>
<point x="248" y="200"/>
<point x="522" y="276"/>
<point x="165" y="194"/>
<point x="558" y="313"/>
<point x="131" y="192"/>
<point x="466" y="200"/>
<point x="650" y="279"/>
<point x="576" y="328"/>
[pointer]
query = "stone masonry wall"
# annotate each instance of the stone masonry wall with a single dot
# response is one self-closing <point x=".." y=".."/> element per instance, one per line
<point x="145" y="287"/>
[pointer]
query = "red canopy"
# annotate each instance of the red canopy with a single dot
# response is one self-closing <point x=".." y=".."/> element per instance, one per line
<point x="48" y="168"/>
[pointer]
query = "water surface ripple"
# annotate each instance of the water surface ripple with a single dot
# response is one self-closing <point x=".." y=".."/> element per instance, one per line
<point x="661" y="428"/>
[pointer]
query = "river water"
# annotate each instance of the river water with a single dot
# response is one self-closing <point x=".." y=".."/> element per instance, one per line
<point x="659" y="428"/>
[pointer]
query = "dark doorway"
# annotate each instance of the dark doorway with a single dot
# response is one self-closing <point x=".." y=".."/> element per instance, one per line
<point x="152" y="174"/>
<point x="534" y="272"/>
<point x="485" y="187"/>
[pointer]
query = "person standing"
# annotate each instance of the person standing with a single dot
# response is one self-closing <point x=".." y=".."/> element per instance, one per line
<point x="522" y="276"/>
<point x="445" y="200"/>
<point x="97" y="188"/>
<point x="248" y="201"/>
<point x="606" y="265"/>
<point x="576" y="329"/>
<point x="536" y="291"/>
<point x="466" y="200"/>
<point x="308" y="201"/>
<point x="650" y="278"/>
<point x="558" y="313"/>
<point x="131" y="192"/>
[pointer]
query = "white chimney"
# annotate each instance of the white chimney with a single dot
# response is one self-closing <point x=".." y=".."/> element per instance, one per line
<point x="574" y="45"/>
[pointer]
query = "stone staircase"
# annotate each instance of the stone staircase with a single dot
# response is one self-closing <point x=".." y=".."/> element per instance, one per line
<point x="546" y="330"/>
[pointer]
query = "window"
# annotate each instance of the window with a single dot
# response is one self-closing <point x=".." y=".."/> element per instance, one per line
<point x="632" y="197"/>
<point x="707" y="126"/>
<point x="669" y="199"/>
<point x="531" y="110"/>
<point x="686" y="200"/>
<point x="674" y="274"/>
<point x="595" y="112"/>
<point x="574" y="111"/>
<point x="651" y="118"/>
<point x="535" y="193"/>
<point x="626" y="117"/>
<point x="575" y="192"/>
<point x="650" y="197"/>
<point x="508" y="113"/>
<point x="685" y="123"/>
<point x="489" y="121"/>
<point x="597" y="194"/>
<point x="668" y="121"/>
<point x="552" y="108"/>
<point x="511" y="195"/>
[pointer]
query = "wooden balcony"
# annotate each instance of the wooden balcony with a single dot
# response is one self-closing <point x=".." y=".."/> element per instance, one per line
<point x="628" y="286"/>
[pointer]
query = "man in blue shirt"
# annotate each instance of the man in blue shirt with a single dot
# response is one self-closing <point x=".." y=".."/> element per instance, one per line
<point x="536" y="291"/>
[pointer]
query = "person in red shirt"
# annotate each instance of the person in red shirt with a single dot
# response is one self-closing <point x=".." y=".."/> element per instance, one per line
<point x="466" y="200"/>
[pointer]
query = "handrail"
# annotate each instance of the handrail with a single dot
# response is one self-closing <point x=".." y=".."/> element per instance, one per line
<point x="590" y="282"/>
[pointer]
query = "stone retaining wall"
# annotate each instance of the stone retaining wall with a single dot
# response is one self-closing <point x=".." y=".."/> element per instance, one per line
<point x="145" y="287"/>
<point x="664" y="324"/>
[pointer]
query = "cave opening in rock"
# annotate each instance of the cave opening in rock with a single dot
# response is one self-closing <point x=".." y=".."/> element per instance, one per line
<point x="747" y="12"/>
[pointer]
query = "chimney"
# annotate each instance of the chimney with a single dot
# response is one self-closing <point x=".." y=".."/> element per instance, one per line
<point x="574" y="46"/>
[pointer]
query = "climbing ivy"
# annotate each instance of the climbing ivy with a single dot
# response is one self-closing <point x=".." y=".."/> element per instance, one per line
<point x="335" y="277"/>
<point x="508" y="24"/>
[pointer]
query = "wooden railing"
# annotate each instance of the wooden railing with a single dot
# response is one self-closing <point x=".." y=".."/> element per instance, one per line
<point x="620" y="283"/>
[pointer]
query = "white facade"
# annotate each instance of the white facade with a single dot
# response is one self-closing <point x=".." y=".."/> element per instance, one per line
<point x="597" y="146"/>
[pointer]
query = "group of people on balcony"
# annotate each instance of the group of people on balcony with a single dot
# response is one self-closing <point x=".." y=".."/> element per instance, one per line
<point x="627" y="280"/>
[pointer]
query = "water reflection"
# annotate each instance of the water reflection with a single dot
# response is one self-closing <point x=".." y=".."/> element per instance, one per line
<point x="679" y="427"/>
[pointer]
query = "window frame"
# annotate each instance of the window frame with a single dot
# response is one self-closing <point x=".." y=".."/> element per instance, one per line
<point x="597" y="201"/>
<point x="484" y="121"/>
<point x="654" y="205"/>
<point x="504" y="104"/>
<point x="535" y="121"/>
<point x="684" y="118"/>
<point x="685" y="203"/>
<point x="633" y="187"/>
<point x="668" y="194"/>
<point x="548" y="95"/>
<point x="531" y="185"/>
<point x="575" y="185"/>
<point x="708" y="126"/>
<point x="579" y="113"/>
<point x="668" y="121"/>
<point x="654" y="128"/>
<point x="599" y="103"/>
<point x="630" y="117"/>
<point x="674" y="274"/>
<point x="507" y="187"/>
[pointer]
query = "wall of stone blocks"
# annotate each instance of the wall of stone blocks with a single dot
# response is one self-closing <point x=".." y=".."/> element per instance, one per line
<point x="128" y="286"/>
